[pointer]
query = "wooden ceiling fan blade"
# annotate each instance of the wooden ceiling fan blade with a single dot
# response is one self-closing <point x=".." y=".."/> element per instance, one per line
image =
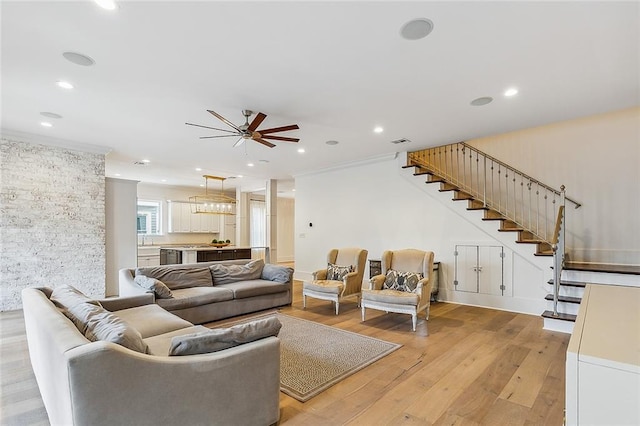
<point x="224" y="120"/>
<point x="211" y="137"/>
<point x="263" y="142"/>
<point x="281" y="138"/>
<point x="279" y="129"/>
<point x="212" y="128"/>
<point x="256" y="122"/>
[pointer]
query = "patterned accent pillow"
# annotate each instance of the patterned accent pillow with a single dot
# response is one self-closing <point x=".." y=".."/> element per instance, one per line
<point x="401" y="281"/>
<point x="337" y="273"/>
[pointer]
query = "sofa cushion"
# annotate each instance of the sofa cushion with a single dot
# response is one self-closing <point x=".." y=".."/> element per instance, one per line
<point x="252" y="288"/>
<point x="158" y="287"/>
<point x="337" y="272"/>
<point x="225" y="274"/>
<point x="151" y="320"/>
<point x="100" y="324"/>
<point x="178" y="276"/>
<point x="159" y="345"/>
<point x="401" y="281"/>
<point x="67" y="296"/>
<point x="278" y="273"/>
<point x="391" y="296"/>
<point x="195" y="296"/>
<point x="324" y="286"/>
<point x="224" y="338"/>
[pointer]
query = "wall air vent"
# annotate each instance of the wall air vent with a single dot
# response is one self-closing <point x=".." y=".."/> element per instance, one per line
<point x="399" y="141"/>
<point x="140" y="163"/>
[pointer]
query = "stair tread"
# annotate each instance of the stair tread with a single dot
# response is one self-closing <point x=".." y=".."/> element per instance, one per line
<point x="597" y="267"/>
<point x="561" y="316"/>
<point x="567" y="299"/>
<point x="543" y="253"/>
<point x="530" y="241"/>
<point x="477" y="208"/>
<point x="510" y="229"/>
<point x="569" y="283"/>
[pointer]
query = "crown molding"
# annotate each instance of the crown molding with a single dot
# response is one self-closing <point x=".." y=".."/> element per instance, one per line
<point x="46" y="140"/>
<point x="369" y="160"/>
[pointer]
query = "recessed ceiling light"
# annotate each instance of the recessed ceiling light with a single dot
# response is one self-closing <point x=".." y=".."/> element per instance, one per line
<point x="198" y="169"/>
<point x="416" y="29"/>
<point x="301" y="150"/>
<point x="378" y="129"/>
<point x="146" y="161"/>
<point x="78" y="59"/>
<point x="64" y="84"/>
<point x="511" y="92"/>
<point x="293" y="190"/>
<point x="50" y="115"/>
<point x="332" y="143"/>
<point x="106" y="4"/>
<point x="202" y="185"/>
<point x="163" y="180"/>
<point x="46" y="124"/>
<point x="482" y="101"/>
<point x="250" y="164"/>
<point x="117" y="174"/>
<point x="240" y="176"/>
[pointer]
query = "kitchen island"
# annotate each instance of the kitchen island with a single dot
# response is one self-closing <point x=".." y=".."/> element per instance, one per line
<point x="202" y="253"/>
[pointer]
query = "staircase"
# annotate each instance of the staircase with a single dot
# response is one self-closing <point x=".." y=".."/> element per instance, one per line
<point x="523" y="205"/>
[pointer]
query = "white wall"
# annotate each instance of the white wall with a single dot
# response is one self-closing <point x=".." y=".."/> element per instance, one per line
<point x="379" y="206"/>
<point x="598" y="160"/>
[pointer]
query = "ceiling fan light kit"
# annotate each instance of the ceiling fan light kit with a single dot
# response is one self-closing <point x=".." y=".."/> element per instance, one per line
<point x="214" y="203"/>
<point x="249" y="131"/>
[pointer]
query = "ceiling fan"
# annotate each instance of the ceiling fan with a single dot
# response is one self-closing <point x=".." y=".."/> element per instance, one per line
<point x="249" y="131"/>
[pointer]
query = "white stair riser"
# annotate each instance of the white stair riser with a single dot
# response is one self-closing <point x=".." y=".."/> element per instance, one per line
<point x="558" y="325"/>
<point x="601" y="278"/>
<point x="569" y="291"/>
<point x="564" y="307"/>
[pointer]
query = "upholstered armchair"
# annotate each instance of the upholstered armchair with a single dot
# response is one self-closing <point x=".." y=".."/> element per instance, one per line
<point x="404" y="286"/>
<point x="342" y="278"/>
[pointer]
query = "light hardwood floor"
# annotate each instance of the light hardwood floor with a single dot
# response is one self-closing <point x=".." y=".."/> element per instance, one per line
<point x="465" y="366"/>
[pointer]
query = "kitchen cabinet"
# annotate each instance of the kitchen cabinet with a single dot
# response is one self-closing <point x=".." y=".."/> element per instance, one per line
<point x="148" y="256"/>
<point x="181" y="220"/>
<point x="223" y="254"/>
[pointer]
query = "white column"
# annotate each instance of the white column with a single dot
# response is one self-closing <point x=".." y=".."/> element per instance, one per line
<point x="271" y="199"/>
<point x="242" y="218"/>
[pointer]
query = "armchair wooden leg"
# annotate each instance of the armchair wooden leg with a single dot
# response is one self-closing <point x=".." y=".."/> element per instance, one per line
<point x="362" y="308"/>
<point x="414" y="320"/>
<point x="304" y="301"/>
<point x="337" y="307"/>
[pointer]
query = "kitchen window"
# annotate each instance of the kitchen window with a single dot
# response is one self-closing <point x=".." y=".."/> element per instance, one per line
<point x="149" y="218"/>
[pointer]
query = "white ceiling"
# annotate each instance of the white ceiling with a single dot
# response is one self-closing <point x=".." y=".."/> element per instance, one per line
<point x="337" y="69"/>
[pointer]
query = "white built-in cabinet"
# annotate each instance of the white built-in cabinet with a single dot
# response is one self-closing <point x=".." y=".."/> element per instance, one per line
<point x="482" y="269"/>
<point x="181" y="220"/>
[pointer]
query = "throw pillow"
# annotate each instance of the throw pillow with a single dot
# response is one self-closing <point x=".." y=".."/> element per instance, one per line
<point x="227" y="274"/>
<point x="178" y="276"/>
<point x="401" y="281"/>
<point x="277" y="273"/>
<point x="157" y="286"/>
<point x="99" y="324"/>
<point x="337" y="273"/>
<point x="67" y="296"/>
<point x="224" y="338"/>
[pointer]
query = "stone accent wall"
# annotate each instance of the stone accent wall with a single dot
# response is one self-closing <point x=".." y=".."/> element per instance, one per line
<point x="52" y="220"/>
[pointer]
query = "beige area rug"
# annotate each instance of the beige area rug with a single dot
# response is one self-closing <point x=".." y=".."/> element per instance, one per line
<point x="313" y="356"/>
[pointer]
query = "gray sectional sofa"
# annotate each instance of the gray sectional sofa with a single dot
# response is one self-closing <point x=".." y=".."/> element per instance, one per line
<point x="108" y="362"/>
<point x="209" y="291"/>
